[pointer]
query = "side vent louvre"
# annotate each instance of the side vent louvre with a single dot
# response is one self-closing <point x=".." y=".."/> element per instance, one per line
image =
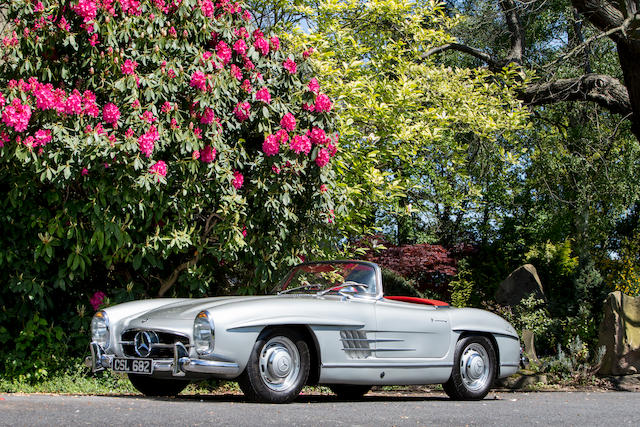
<point x="355" y="344"/>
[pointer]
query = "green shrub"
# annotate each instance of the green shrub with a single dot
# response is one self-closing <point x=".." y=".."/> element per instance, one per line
<point x="395" y="284"/>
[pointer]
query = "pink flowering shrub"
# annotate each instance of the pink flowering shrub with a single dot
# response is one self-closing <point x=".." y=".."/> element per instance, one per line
<point x="140" y="135"/>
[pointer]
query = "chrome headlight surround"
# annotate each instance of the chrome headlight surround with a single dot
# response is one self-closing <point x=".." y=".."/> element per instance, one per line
<point x="100" y="333"/>
<point x="203" y="333"/>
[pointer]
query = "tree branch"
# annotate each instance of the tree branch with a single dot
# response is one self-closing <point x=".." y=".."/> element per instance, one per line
<point x="603" y="14"/>
<point x="491" y="62"/>
<point x="516" y="50"/>
<point x="604" y="90"/>
<point x="167" y="283"/>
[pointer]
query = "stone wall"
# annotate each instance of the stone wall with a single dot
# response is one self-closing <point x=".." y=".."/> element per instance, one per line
<point x="620" y="334"/>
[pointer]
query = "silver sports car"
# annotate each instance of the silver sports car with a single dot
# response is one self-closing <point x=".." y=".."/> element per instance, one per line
<point x="326" y="323"/>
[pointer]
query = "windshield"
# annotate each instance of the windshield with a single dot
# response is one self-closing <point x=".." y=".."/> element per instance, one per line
<point x="312" y="278"/>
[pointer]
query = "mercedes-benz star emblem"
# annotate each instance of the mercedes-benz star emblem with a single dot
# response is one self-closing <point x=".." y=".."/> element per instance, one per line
<point x="143" y="342"/>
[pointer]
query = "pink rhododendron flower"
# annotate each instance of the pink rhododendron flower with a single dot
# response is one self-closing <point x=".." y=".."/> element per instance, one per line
<point x="317" y="136"/>
<point x="207" y="8"/>
<point x="38" y="7"/>
<point x="207" y="154"/>
<point x="282" y="135"/>
<point x="271" y="145"/>
<point x="323" y="188"/>
<point x="323" y="103"/>
<point x="167" y="107"/>
<point x="238" y="180"/>
<point x="43" y="137"/>
<point x="172" y="32"/>
<point x="129" y="67"/>
<point x="308" y="107"/>
<point x="288" y="122"/>
<point x="73" y="105"/>
<point x="244" y="231"/>
<point x="241" y="32"/>
<point x="195" y="155"/>
<point x="84" y="172"/>
<point x="198" y="132"/>
<point x="275" y="43"/>
<point x="323" y="157"/>
<point x="314" y="86"/>
<point x="86" y="9"/>
<point x="2" y="101"/>
<point x="129" y="133"/>
<point x="249" y="65"/>
<point x="246" y="15"/>
<point x="242" y="111"/>
<point x="148" y="117"/>
<point x="199" y="80"/>
<point x="307" y="53"/>
<point x="93" y="40"/>
<point x="224" y="52"/>
<point x="111" y="113"/>
<point x="4" y="138"/>
<point x="208" y="116"/>
<point x="262" y="45"/>
<point x="174" y="124"/>
<point x="240" y="47"/>
<point x="275" y="169"/>
<point x="236" y="72"/>
<point x="159" y="168"/>
<point x="147" y="140"/>
<point x="16" y="115"/>
<point x="172" y="74"/>
<point x="300" y="144"/>
<point x="263" y="95"/>
<point x="290" y="65"/>
<point x="135" y="104"/>
<point x="246" y="86"/>
<point x="97" y="299"/>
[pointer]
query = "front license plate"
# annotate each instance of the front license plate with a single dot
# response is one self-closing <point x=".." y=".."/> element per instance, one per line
<point x="133" y="366"/>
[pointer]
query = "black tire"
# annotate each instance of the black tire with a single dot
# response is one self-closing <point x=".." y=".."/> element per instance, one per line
<point x="474" y="369"/>
<point x="262" y="380"/>
<point x="150" y="386"/>
<point x="350" y="391"/>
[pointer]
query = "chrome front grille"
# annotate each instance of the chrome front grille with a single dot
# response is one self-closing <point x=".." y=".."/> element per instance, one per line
<point x="355" y="344"/>
<point x="162" y="349"/>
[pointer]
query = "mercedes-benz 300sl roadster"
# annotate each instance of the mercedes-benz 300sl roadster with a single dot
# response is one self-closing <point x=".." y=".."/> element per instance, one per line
<point x="326" y="323"/>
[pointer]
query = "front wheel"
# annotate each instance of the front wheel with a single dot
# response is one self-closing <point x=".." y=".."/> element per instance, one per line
<point x="150" y="386"/>
<point x="277" y="368"/>
<point x="474" y="369"/>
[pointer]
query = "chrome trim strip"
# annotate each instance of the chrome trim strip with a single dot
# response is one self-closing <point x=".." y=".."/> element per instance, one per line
<point x="156" y="345"/>
<point x="371" y="340"/>
<point x="385" y="366"/>
<point x="164" y="331"/>
<point x="379" y="349"/>
<point x="510" y="365"/>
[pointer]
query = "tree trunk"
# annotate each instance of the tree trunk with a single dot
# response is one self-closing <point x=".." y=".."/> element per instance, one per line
<point x="629" y="53"/>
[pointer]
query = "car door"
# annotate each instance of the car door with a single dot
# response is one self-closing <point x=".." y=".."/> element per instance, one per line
<point x="407" y="330"/>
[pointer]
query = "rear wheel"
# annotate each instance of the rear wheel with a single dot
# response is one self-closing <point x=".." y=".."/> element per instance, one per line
<point x="350" y="391"/>
<point x="277" y="368"/>
<point x="150" y="386"/>
<point x="474" y="369"/>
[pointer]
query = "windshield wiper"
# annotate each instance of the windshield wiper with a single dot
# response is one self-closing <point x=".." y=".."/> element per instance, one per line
<point x="297" y="288"/>
<point x="340" y="287"/>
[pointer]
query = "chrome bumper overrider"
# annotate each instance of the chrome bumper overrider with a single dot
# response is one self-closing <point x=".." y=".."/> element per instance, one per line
<point x="179" y="366"/>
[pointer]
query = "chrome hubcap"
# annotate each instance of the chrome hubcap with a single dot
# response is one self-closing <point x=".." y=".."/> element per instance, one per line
<point x="474" y="367"/>
<point x="279" y="363"/>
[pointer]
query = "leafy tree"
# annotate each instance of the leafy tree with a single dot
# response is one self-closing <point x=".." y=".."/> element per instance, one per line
<point x="154" y="143"/>
<point x="418" y="141"/>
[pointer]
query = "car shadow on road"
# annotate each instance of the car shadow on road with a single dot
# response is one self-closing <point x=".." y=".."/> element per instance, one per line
<point x="303" y="398"/>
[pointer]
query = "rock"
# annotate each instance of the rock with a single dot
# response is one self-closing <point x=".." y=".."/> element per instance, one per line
<point x="521" y="283"/>
<point x="529" y="347"/>
<point x="625" y="382"/>
<point x="620" y="334"/>
<point x="522" y="381"/>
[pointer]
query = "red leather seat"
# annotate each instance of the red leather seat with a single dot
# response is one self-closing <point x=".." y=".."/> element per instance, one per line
<point x="415" y="300"/>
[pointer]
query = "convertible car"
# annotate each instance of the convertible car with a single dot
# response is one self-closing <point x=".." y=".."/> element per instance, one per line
<point x="326" y="323"/>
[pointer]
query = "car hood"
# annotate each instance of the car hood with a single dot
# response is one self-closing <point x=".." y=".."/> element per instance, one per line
<point x="181" y="314"/>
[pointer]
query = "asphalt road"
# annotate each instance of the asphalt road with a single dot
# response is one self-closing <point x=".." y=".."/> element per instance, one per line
<point x="504" y="409"/>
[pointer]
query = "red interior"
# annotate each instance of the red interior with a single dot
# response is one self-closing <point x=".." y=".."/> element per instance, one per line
<point x="415" y="300"/>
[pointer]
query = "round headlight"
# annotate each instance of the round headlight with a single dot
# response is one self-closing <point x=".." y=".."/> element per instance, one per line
<point x="100" y="329"/>
<point x="203" y="333"/>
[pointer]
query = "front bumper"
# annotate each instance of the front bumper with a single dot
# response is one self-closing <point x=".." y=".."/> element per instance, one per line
<point x="179" y="366"/>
